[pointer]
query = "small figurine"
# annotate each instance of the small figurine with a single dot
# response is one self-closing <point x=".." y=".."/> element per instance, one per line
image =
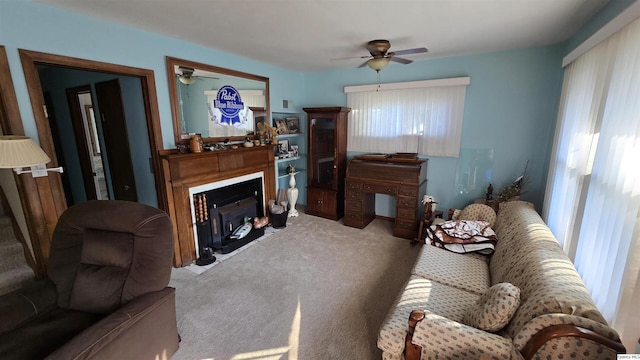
<point x="490" y="192"/>
<point x="260" y="222"/>
<point x="291" y="169"/>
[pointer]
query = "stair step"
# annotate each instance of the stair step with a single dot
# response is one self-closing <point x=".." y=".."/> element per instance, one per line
<point x="12" y="256"/>
<point x="15" y="279"/>
<point x="6" y="229"/>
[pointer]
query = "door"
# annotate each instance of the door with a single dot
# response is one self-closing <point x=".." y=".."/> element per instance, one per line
<point x="80" y="131"/>
<point x="114" y="127"/>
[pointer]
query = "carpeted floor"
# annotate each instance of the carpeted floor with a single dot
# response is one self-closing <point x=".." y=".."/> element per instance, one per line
<point x="314" y="290"/>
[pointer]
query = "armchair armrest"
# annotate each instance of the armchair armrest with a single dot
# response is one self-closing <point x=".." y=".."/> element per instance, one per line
<point x="447" y="338"/>
<point x="24" y="304"/>
<point x="144" y="328"/>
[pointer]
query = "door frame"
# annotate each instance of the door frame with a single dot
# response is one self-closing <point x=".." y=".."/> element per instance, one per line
<point x="56" y="200"/>
<point x="31" y="191"/>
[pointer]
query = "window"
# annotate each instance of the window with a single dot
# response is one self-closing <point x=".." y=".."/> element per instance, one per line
<point x="424" y="117"/>
<point x="593" y="191"/>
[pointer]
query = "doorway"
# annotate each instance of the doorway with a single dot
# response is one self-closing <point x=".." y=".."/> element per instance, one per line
<point x="148" y="122"/>
<point x="100" y="148"/>
<point x="87" y="139"/>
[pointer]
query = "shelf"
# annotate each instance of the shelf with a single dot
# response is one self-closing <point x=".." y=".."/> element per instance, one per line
<point x="298" y="171"/>
<point x="289" y="135"/>
<point x="289" y="159"/>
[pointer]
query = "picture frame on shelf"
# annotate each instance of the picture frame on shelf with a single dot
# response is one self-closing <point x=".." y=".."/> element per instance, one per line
<point x="259" y="120"/>
<point x="281" y="126"/>
<point x="294" y="150"/>
<point x="283" y="148"/>
<point x="293" y="125"/>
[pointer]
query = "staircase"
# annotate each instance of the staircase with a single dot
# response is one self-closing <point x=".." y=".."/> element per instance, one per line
<point x="14" y="271"/>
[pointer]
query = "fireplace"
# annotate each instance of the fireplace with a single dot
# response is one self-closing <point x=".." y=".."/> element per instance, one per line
<point x="220" y="207"/>
<point x="185" y="175"/>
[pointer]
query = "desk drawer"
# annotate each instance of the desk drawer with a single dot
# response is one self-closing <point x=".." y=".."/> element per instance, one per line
<point x="405" y="202"/>
<point x="406" y="214"/>
<point x="353" y="194"/>
<point x="355" y="219"/>
<point x="354" y="205"/>
<point x="354" y="185"/>
<point x="405" y="224"/>
<point x="408" y="191"/>
<point x="381" y="189"/>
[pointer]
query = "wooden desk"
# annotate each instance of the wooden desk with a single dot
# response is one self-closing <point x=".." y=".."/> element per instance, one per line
<point x="401" y="177"/>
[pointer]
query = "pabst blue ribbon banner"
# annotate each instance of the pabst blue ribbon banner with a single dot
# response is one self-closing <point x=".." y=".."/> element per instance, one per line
<point x="229" y="103"/>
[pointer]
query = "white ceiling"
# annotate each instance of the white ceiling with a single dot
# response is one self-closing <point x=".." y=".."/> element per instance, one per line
<point x="306" y="35"/>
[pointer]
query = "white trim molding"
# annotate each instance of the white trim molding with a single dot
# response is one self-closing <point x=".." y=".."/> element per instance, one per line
<point x="623" y="19"/>
<point x="409" y="85"/>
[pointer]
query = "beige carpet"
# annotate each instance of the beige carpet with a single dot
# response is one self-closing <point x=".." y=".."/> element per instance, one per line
<point x="314" y="290"/>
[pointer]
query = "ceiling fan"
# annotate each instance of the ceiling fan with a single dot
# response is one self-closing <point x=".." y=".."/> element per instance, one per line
<point x="187" y="76"/>
<point x="380" y="56"/>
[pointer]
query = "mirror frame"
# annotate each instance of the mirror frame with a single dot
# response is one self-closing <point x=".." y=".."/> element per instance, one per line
<point x="173" y="94"/>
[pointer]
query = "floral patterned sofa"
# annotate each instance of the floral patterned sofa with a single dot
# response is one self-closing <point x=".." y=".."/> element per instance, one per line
<point x="526" y="300"/>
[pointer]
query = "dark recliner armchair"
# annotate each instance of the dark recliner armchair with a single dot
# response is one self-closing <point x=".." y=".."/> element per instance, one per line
<point x="106" y="296"/>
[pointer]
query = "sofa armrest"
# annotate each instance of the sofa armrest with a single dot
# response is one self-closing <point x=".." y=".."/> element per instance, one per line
<point x="144" y="328"/>
<point x="541" y="329"/>
<point x="24" y="304"/>
<point x="435" y="335"/>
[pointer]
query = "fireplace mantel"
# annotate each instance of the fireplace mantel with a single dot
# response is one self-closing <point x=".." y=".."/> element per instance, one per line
<point x="182" y="171"/>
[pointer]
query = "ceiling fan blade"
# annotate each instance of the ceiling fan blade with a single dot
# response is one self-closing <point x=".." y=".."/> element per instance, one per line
<point x="364" y="64"/>
<point x="351" y="57"/>
<point x="206" y="77"/>
<point x="400" y="60"/>
<point x="411" y="51"/>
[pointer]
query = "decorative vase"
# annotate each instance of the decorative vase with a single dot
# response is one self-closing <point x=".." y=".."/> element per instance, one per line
<point x="292" y="195"/>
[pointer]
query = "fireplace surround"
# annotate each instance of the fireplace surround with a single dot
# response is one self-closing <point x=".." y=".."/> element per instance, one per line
<point x="184" y="172"/>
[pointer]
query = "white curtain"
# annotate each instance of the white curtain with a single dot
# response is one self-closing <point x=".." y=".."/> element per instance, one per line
<point x="593" y="193"/>
<point x="427" y="121"/>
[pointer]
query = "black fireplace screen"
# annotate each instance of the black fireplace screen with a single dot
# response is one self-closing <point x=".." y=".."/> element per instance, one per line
<point x="220" y="211"/>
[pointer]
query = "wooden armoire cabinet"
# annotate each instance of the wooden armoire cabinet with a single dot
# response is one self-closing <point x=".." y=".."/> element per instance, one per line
<point x="326" y="161"/>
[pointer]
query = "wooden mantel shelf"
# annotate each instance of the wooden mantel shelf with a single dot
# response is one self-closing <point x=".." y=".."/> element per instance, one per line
<point x="183" y="171"/>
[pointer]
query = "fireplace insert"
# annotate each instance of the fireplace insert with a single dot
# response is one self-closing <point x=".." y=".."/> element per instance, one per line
<point x="222" y="210"/>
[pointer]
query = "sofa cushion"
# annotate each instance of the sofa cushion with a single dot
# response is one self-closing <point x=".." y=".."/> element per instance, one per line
<point x="421" y="294"/>
<point x="529" y="257"/>
<point x="441" y="338"/>
<point x="468" y="272"/>
<point x="480" y="212"/>
<point x="495" y="308"/>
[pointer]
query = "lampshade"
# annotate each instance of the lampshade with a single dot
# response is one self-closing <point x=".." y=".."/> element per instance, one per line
<point x="186" y="80"/>
<point x="20" y="151"/>
<point x="378" y="64"/>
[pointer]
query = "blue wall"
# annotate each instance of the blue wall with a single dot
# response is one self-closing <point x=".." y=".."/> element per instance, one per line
<point x="511" y="103"/>
<point x="510" y="107"/>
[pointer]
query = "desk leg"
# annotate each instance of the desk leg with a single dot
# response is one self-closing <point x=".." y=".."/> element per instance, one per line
<point x="421" y="230"/>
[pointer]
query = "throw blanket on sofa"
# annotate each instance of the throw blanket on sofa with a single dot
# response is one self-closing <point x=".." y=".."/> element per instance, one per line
<point x="463" y="236"/>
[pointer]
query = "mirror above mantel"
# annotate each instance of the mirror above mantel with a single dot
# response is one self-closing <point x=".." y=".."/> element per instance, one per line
<point x="193" y="87"/>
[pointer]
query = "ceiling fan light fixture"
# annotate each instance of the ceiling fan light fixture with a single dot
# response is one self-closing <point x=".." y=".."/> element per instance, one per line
<point x="186" y="80"/>
<point x="378" y="64"/>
